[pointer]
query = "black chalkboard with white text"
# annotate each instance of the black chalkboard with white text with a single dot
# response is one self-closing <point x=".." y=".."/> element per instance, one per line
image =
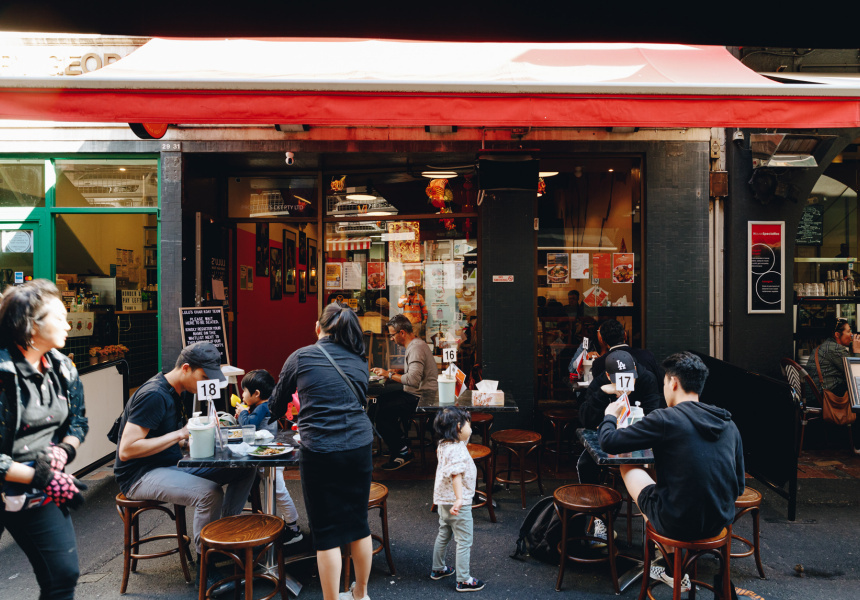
<point x="204" y="324"/>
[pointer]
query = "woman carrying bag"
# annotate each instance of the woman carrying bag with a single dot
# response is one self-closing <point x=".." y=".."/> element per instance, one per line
<point x="42" y="423"/>
<point x="336" y="462"/>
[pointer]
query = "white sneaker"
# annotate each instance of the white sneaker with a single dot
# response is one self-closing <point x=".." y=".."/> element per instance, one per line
<point x="348" y="595"/>
<point x="598" y="530"/>
<point x="659" y="574"/>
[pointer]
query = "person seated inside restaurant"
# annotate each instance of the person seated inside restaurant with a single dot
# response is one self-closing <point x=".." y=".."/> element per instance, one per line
<point x="698" y="459"/>
<point x="420" y="374"/>
<point x="601" y="392"/>
<point x="611" y="333"/>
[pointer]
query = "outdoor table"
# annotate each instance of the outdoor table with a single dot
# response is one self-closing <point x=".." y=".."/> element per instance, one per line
<point x="590" y="439"/>
<point x="224" y="458"/>
<point x="428" y="401"/>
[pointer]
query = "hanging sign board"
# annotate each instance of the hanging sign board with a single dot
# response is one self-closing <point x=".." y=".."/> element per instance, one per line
<point x="766" y="244"/>
<point x="204" y="324"/>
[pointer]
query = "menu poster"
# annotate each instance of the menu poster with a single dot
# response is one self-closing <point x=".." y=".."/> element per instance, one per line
<point x="405" y="246"/>
<point x="595" y="296"/>
<point x="440" y="298"/>
<point x="601" y="266"/>
<point x="622" y="268"/>
<point x="412" y="272"/>
<point x="333" y="276"/>
<point x="376" y="276"/>
<point x="557" y="267"/>
<point x="579" y="266"/>
<point x="352" y="276"/>
<point x="395" y="274"/>
<point x="765" y="291"/>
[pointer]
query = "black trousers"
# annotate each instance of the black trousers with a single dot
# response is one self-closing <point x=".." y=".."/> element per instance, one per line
<point x="47" y="537"/>
<point x="391" y="410"/>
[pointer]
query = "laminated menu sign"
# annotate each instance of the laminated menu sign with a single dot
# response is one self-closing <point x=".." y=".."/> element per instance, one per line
<point x="557" y="268"/>
<point x="579" y="266"/>
<point x="622" y="268"/>
<point x="333" y="276"/>
<point x="765" y="290"/>
<point x="601" y="268"/>
<point x="352" y="275"/>
<point x="440" y="296"/>
<point x="376" y="276"/>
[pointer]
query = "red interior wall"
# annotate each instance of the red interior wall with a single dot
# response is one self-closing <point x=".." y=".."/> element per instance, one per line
<point x="268" y="331"/>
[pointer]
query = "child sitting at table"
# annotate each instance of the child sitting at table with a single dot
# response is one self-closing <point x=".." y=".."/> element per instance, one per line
<point x="453" y="491"/>
<point x="257" y="386"/>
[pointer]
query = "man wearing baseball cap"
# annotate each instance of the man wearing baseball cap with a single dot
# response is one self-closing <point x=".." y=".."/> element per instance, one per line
<point x="153" y="432"/>
<point x="414" y="308"/>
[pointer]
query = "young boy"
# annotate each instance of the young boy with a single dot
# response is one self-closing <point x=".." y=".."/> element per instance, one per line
<point x="257" y="386"/>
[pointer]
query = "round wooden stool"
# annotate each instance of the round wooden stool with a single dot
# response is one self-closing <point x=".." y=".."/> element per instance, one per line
<point x="520" y="442"/>
<point x="559" y="419"/>
<point x="484" y="422"/>
<point x="237" y="537"/>
<point x="749" y="502"/>
<point x="130" y="511"/>
<point x="378" y="500"/>
<point x="590" y="500"/>
<point x="481" y="455"/>
<point x="686" y="556"/>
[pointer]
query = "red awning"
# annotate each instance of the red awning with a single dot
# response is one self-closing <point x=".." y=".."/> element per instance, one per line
<point x="378" y="83"/>
<point x="344" y="244"/>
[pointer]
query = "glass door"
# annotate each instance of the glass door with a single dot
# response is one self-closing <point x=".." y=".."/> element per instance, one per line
<point x="17" y="242"/>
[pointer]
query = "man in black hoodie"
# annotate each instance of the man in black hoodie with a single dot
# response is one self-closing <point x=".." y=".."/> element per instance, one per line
<point x="698" y="456"/>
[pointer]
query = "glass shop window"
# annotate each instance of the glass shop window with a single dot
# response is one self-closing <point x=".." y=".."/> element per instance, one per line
<point x="22" y="183"/>
<point x="100" y="183"/>
<point x="268" y="197"/>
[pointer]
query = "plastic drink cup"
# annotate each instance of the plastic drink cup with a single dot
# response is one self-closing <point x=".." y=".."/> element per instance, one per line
<point x="249" y="434"/>
<point x="446" y="389"/>
<point x="202" y="443"/>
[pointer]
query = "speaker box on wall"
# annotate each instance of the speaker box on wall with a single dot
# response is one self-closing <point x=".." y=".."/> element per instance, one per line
<point x="511" y="173"/>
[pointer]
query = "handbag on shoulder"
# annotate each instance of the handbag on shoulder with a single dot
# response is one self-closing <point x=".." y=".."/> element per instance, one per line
<point x="836" y="409"/>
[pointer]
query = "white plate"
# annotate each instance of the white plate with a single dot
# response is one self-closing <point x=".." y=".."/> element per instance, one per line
<point x="281" y="452"/>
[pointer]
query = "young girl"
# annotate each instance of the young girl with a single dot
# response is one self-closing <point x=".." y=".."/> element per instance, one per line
<point x="455" y="486"/>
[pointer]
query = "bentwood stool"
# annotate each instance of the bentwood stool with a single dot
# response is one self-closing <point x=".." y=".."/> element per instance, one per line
<point x="749" y="502"/>
<point x="481" y="455"/>
<point x="244" y="539"/>
<point x="560" y="419"/>
<point x="686" y="556"/>
<point x="484" y="422"/>
<point x="578" y="499"/>
<point x="378" y="500"/>
<point x="130" y="511"/>
<point x="520" y="442"/>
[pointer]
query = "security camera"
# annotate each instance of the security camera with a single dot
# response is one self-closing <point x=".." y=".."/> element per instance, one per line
<point x="738" y="136"/>
<point x="291" y="158"/>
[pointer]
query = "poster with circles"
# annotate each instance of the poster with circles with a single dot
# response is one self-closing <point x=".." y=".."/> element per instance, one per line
<point x="766" y="243"/>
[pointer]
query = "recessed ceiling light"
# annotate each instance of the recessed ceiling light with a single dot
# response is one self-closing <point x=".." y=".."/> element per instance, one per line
<point x="548" y="173"/>
<point x="439" y="174"/>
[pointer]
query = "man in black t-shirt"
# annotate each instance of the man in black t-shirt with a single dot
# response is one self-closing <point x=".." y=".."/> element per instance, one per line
<point x="153" y="431"/>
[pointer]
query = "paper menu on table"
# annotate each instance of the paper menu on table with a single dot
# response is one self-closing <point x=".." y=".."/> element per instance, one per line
<point x="621" y="421"/>
<point x="459" y="379"/>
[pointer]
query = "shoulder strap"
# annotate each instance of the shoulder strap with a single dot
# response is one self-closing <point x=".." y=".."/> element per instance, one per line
<point x="817" y="366"/>
<point x="342" y="374"/>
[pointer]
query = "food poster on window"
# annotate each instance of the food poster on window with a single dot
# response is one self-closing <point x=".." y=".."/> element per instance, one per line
<point x="765" y="291"/>
<point x="557" y="268"/>
<point x="441" y="300"/>
<point x="596" y="296"/>
<point x="601" y="266"/>
<point x="334" y="276"/>
<point x="622" y="268"/>
<point x="404" y="243"/>
<point x="352" y="275"/>
<point x="376" y="275"/>
<point x="579" y="266"/>
<point x="413" y="272"/>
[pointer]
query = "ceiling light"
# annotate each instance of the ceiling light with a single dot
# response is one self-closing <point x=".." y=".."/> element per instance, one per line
<point x="122" y="168"/>
<point x="360" y="197"/>
<point x="611" y="170"/>
<point x="547" y="173"/>
<point x="439" y="174"/>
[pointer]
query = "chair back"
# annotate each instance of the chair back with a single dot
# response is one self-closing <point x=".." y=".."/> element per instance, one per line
<point x="797" y="376"/>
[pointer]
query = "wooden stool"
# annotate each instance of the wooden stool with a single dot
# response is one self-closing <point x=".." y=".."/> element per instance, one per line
<point x="378" y="500"/>
<point x="749" y="502"/>
<point x="481" y="455"/>
<point x="559" y="419"/>
<point x="484" y="421"/>
<point x="130" y="511"/>
<point x="243" y="533"/>
<point x="686" y="554"/>
<point x="590" y="500"/>
<point x="521" y="443"/>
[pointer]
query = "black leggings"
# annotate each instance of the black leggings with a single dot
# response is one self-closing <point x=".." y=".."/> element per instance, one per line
<point x="47" y="537"/>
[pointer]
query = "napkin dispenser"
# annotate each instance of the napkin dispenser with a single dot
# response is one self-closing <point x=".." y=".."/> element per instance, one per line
<point x="487" y="394"/>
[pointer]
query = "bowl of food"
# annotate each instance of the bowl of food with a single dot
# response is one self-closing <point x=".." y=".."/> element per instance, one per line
<point x="233" y="436"/>
<point x="557" y="273"/>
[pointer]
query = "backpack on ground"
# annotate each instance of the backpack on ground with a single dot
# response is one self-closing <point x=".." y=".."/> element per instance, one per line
<point x="540" y="533"/>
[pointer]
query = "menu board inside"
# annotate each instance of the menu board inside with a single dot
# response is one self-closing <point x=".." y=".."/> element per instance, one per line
<point x="810" y="230"/>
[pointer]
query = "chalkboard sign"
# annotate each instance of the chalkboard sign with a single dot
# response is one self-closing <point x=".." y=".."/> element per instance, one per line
<point x="204" y="324"/>
<point x="810" y="230"/>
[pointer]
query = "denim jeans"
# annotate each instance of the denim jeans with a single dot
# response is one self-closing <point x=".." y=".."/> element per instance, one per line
<point x="47" y="537"/>
<point x="460" y="528"/>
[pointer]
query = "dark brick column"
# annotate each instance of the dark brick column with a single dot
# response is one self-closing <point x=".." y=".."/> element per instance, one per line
<point x="170" y="249"/>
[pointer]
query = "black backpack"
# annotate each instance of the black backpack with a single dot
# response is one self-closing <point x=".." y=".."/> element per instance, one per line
<point x="540" y="533"/>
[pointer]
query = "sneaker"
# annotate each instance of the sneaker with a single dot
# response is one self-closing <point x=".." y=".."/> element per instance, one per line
<point x="599" y="531"/>
<point x="398" y="461"/>
<point x="291" y="536"/>
<point x="213" y="576"/>
<point x="659" y="574"/>
<point x="348" y="594"/>
<point x="470" y="585"/>
<point x="440" y="573"/>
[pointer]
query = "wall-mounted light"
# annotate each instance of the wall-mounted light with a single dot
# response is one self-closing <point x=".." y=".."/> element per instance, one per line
<point x="547" y="174"/>
<point x="786" y="149"/>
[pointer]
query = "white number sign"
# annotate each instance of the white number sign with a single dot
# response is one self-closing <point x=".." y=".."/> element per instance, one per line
<point x="624" y="382"/>
<point x="208" y="389"/>
<point x="449" y="355"/>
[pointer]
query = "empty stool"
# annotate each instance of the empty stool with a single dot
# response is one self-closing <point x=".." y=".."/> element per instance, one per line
<point x="484" y="422"/>
<point x="559" y="419"/>
<point x="521" y="443"/>
<point x="593" y="501"/>
<point x="481" y="455"/>
<point x="237" y="538"/>
<point x="378" y="500"/>
<point x="130" y="511"/>
<point x="749" y="502"/>
<point x="685" y="557"/>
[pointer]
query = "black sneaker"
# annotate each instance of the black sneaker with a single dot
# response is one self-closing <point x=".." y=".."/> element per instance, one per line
<point x="213" y="576"/>
<point x="470" y="585"/>
<point x="398" y="461"/>
<point x="291" y="536"/>
<point x="440" y="573"/>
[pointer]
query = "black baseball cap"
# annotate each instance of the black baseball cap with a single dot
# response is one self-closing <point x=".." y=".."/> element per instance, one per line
<point x="619" y="361"/>
<point x="205" y="356"/>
